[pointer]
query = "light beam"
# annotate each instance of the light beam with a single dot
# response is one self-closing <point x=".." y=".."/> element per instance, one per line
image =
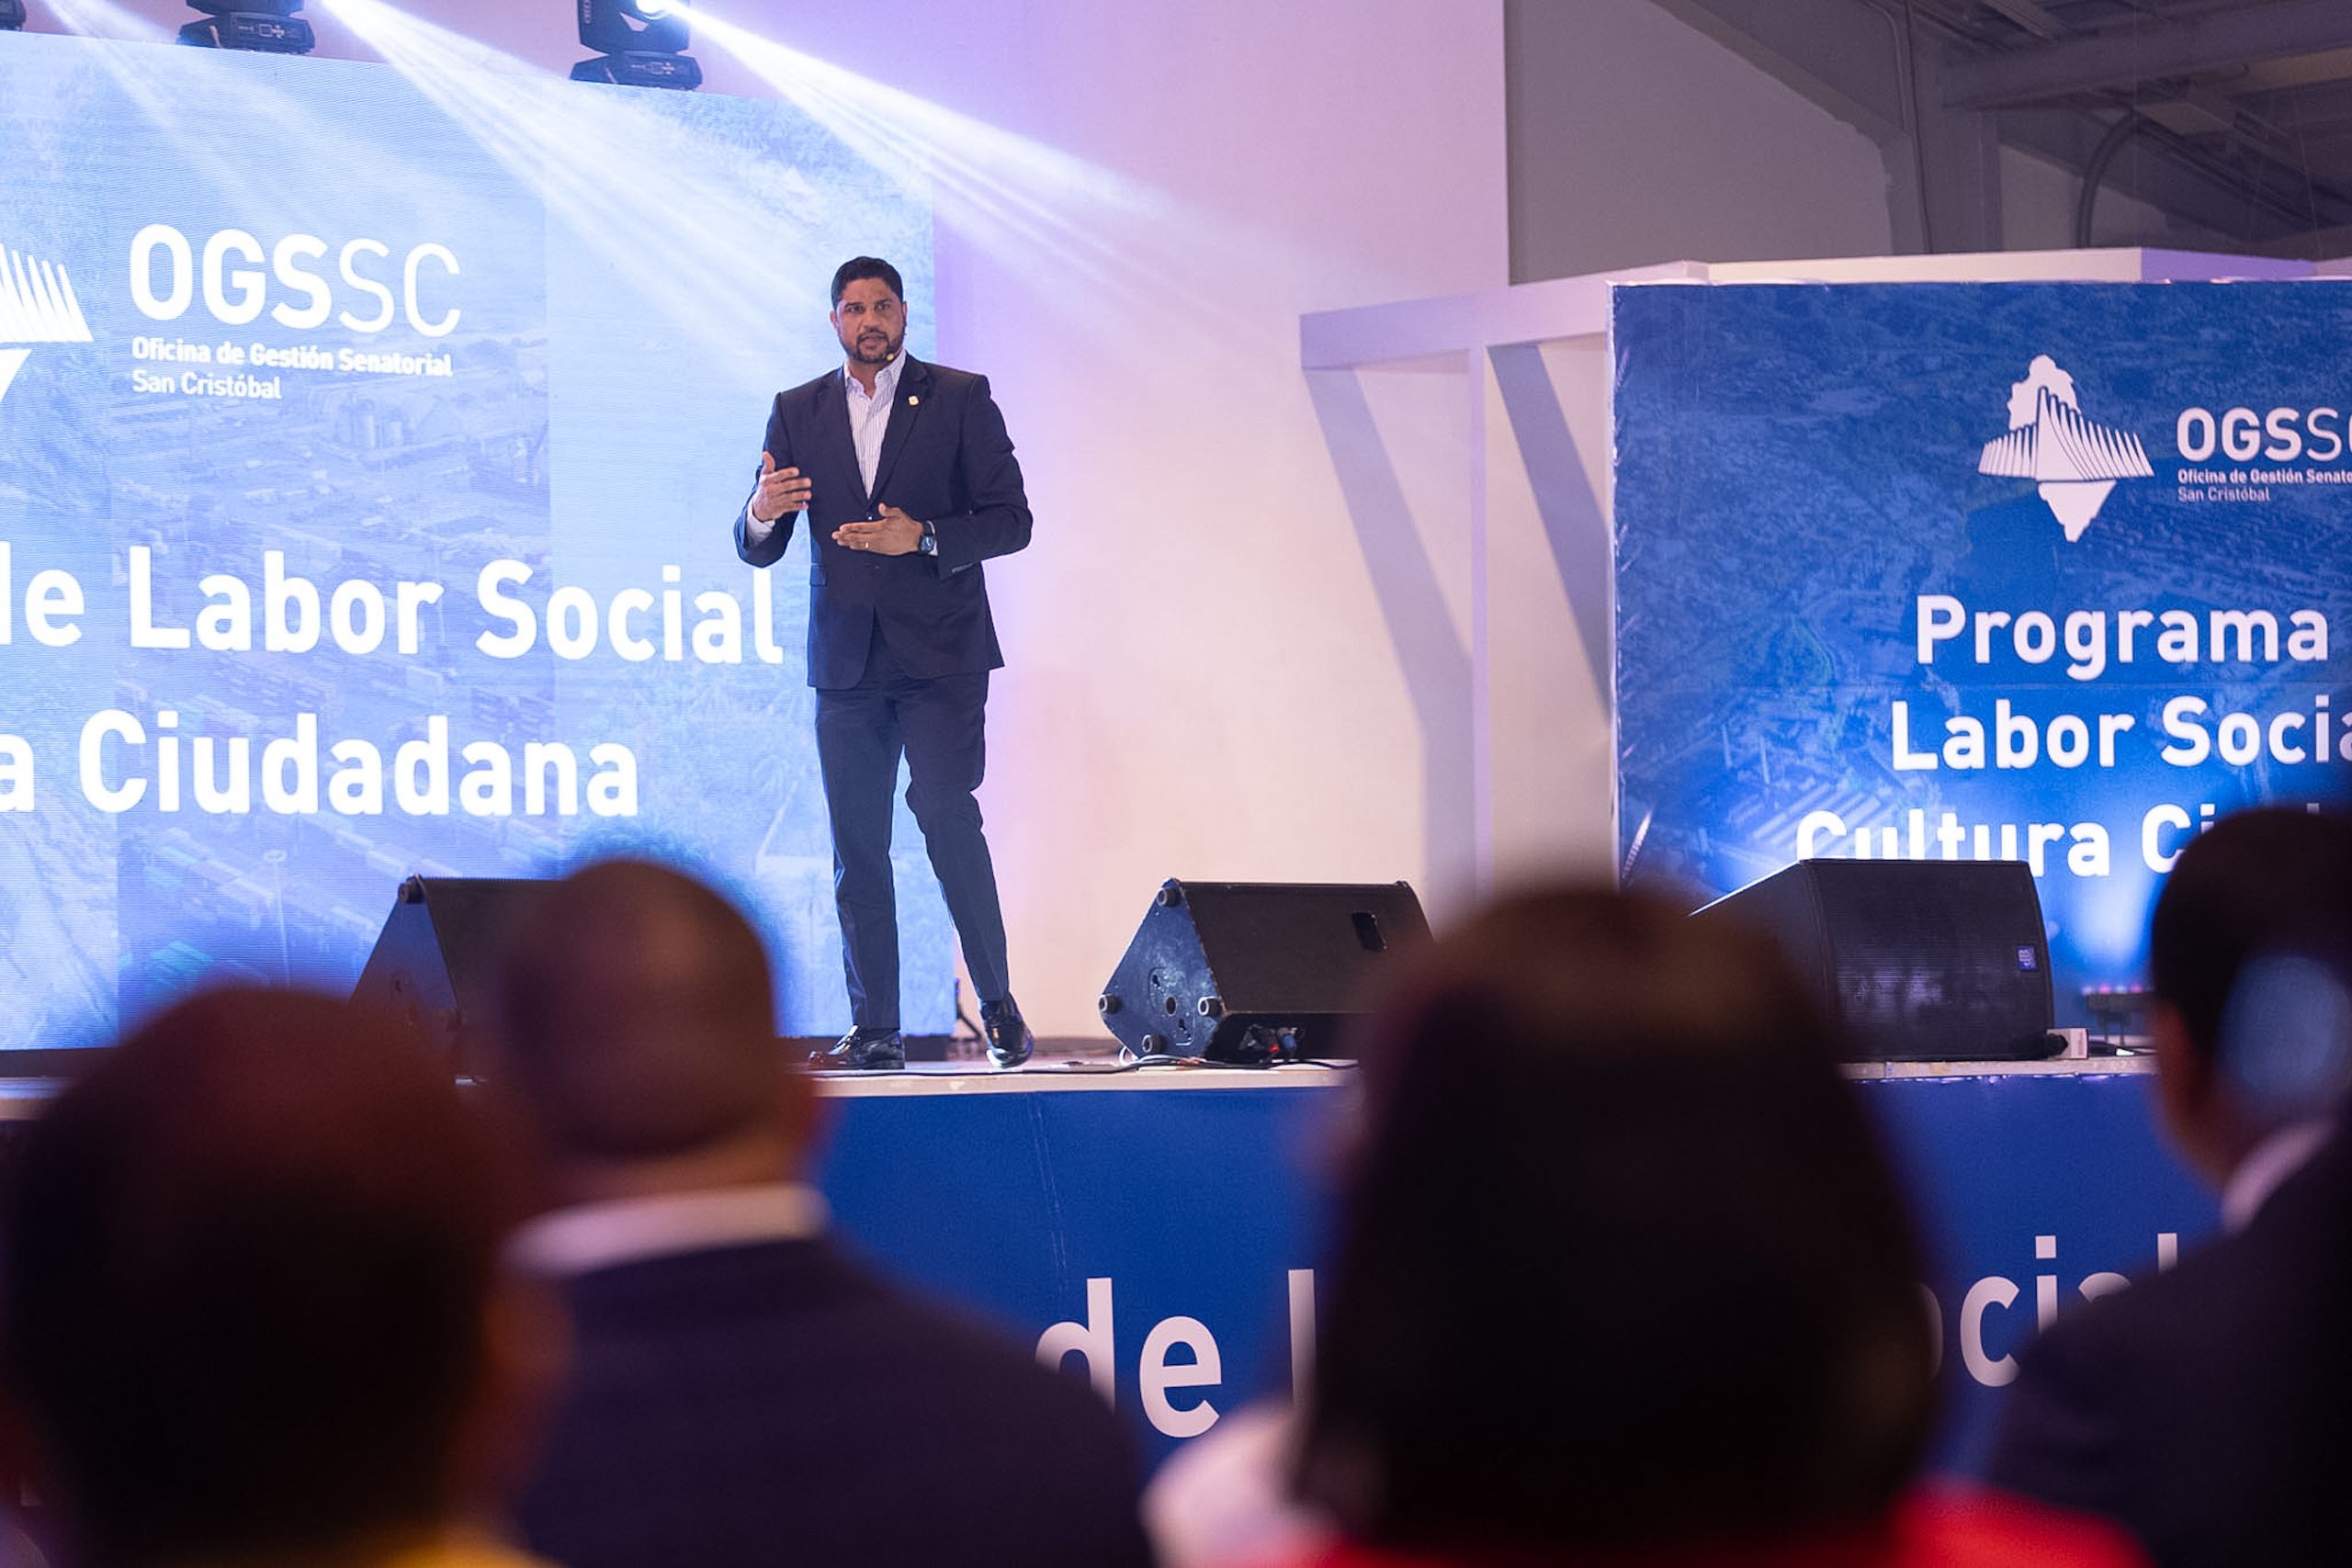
<point x="103" y="18"/>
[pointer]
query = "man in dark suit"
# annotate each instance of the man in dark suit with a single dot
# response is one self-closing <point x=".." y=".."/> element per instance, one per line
<point x="2209" y="1409"/>
<point x="743" y="1391"/>
<point x="909" y="481"/>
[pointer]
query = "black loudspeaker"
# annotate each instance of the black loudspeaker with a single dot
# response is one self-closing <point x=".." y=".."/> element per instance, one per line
<point x="1255" y="971"/>
<point x="434" y="962"/>
<point x="1922" y="961"/>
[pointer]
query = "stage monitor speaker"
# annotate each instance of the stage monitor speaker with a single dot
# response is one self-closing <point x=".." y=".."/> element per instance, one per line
<point x="434" y="962"/>
<point x="1921" y="961"/>
<point x="1256" y="971"/>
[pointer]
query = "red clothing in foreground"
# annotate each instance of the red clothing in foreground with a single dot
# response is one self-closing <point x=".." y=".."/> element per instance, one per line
<point x="1930" y="1530"/>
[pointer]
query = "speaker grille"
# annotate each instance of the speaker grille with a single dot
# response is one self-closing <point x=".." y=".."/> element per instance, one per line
<point x="1920" y="960"/>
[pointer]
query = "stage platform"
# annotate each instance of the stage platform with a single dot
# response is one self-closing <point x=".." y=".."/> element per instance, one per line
<point x="1067" y="1065"/>
<point x="1059" y="1067"/>
<point x="1171" y="1218"/>
<point x="1165" y="1222"/>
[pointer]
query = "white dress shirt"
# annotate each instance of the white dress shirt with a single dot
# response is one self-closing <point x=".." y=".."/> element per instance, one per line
<point x="869" y="422"/>
<point x="589" y="1236"/>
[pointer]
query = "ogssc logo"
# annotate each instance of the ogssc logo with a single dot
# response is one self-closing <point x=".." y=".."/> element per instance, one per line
<point x="2075" y="462"/>
<point x="37" y="307"/>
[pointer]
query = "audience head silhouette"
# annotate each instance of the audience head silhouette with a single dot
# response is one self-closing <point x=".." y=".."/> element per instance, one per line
<point x="638" y="1032"/>
<point x="744" y="1389"/>
<point x="2247" y="955"/>
<point x="1622" y="1265"/>
<point x="253" y="1308"/>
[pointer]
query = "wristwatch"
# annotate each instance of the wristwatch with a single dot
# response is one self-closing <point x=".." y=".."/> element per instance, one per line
<point x="930" y="545"/>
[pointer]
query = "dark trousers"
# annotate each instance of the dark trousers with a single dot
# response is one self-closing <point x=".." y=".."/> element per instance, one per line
<point x="940" y="727"/>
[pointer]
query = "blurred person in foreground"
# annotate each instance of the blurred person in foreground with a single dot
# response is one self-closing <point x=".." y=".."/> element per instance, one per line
<point x="744" y="1391"/>
<point x="1624" y="1276"/>
<point x="2209" y="1409"/>
<point x="252" y="1312"/>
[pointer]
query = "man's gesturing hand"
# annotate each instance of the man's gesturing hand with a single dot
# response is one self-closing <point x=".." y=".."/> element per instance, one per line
<point x="780" y="490"/>
<point x="894" y="534"/>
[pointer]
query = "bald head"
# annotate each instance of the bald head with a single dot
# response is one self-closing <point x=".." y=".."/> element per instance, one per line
<point x="637" y="1021"/>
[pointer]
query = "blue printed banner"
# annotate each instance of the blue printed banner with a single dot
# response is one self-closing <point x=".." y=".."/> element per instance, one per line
<point x="1090" y="1225"/>
<point x="2050" y="572"/>
<point x="368" y="447"/>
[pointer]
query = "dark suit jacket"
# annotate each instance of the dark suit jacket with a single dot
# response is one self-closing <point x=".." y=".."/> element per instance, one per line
<point x="779" y="1403"/>
<point x="946" y="461"/>
<point x="2208" y="1410"/>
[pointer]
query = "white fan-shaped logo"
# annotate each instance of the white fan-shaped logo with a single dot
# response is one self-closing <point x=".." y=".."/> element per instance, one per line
<point x="37" y="306"/>
<point x="2075" y="461"/>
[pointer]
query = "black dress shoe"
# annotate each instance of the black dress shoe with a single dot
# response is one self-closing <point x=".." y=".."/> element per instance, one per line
<point x="865" y="1050"/>
<point x="1009" y="1042"/>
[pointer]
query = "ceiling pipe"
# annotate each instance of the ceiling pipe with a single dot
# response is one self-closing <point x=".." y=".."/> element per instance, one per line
<point x="2095" y="172"/>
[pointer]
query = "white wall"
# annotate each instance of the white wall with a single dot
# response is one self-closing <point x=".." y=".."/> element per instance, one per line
<point x="1199" y="683"/>
<point x="1636" y="139"/>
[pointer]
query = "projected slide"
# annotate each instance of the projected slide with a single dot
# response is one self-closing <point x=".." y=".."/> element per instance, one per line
<point x="367" y="445"/>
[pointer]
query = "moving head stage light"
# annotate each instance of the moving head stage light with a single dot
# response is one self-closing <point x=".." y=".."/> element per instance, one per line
<point x="640" y="43"/>
<point x="269" y="25"/>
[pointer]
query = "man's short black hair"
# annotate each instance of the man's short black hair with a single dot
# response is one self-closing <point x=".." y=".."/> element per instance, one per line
<point x="2276" y="880"/>
<point x="247" y="1263"/>
<point x="850" y="271"/>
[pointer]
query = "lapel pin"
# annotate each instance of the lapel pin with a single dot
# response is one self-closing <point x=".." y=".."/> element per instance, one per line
<point x="913" y="400"/>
